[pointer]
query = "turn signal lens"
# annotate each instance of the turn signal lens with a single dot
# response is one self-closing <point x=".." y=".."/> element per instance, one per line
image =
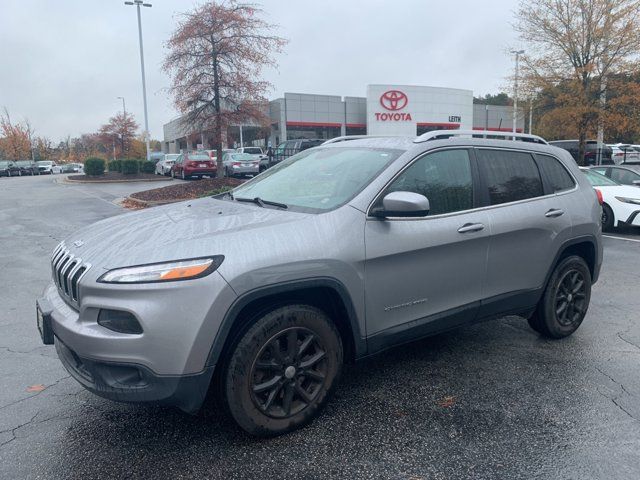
<point x="163" y="272"/>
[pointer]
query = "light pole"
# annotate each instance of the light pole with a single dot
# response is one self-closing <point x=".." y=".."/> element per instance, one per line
<point x="124" y="109"/>
<point x="515" y="90"/>
<point x="138" y="3"/>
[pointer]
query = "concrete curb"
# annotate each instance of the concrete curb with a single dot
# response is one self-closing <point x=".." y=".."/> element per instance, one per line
<point x="161" y="179"/>
<point x="152" y="203"/>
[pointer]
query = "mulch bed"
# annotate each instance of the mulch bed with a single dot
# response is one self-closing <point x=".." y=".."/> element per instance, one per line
<point x="117" y="177"/>
<point x="186" y="190"/>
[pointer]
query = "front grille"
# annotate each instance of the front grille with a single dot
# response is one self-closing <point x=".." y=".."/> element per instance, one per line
<point x="67" y="270"/>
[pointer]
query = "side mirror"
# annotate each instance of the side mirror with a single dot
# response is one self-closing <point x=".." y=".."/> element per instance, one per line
<point x="402" y="204"/>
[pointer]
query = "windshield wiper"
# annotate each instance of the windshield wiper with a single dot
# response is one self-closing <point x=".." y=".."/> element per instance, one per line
<point x="261" y="203"/>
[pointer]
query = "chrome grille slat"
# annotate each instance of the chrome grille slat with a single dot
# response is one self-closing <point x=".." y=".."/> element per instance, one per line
<point x="67" y="271"/>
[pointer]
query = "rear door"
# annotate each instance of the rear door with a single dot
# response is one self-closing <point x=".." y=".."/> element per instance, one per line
<point x="529" y="220"/>
<point x="424" y="274"/>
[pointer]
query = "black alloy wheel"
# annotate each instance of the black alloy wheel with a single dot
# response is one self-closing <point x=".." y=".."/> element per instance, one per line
<point x="282" y="370"/>
<point x="570" y="298"/>
<point x="565" y="300"/>
<point x="288" y="373"/>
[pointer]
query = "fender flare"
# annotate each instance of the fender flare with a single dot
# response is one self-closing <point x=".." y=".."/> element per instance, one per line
<point x="230" y="318"/>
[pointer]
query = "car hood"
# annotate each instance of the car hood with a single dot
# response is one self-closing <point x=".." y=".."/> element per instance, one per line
<point x="182" y="230"/>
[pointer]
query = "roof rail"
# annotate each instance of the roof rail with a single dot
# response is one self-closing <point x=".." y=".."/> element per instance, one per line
<point x="444" y="134"/>
<point x="345" y="138"/>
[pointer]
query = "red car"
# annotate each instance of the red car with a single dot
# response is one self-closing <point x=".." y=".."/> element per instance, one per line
<point x="196" y="164"/>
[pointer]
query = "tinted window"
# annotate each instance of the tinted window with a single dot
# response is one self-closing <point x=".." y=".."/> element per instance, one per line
<point x="556" y="175"/>
<point x="510" y="176"/>
<point x="443" y="177"/>
<point x="200" y="157"/>
<point x="623" y="176"/>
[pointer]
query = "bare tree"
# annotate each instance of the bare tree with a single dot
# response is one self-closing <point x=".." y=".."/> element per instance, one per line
<point x="216" y="56"/>
<point x="121" y="129"/>
<point x="578" y="43"/>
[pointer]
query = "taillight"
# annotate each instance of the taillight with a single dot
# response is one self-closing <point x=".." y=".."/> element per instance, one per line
<point x="191" y="164"/>
<point x="599" y="195"/>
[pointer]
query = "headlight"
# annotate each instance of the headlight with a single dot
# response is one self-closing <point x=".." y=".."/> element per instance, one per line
<point x="163" y="272"/>
<point x="635" y="201"/>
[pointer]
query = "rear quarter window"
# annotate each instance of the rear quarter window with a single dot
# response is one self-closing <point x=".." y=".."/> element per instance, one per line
<point x="556" y="175"/>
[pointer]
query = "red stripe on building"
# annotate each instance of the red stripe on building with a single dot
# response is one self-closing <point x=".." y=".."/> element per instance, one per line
<point x="356" y="125"/>
<point x="313" y="124"/>
<point x="438" y="124"/>
<point x="495" y="129"/>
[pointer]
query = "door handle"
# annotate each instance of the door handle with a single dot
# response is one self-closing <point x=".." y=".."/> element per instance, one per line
<point x="554" y="212"/>
<point x="471" y="227"/>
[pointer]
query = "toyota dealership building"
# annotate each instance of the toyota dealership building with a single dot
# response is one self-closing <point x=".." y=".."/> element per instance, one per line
<point x="386" y="110"/>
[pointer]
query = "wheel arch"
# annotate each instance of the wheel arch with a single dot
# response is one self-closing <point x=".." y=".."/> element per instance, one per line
<point x="328" y="294"/>
<point x="585" y="247"/>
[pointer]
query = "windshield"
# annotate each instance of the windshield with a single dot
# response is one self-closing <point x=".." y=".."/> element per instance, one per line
<point x="598" y="180"/>
<point x="319" y="179"/>
<point x="171" y="156"/>
<point x="200" y="158"/>
<point x="23" y="162"/>
<point x="4" y="164"/>
<point x="241" y="156"/>
<point x="253" y="151"/>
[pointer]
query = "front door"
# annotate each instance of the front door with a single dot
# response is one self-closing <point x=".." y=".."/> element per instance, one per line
<point x="425" y="274"/>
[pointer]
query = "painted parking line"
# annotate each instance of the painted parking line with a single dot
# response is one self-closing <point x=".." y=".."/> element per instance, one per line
<point x="622" y="238"/>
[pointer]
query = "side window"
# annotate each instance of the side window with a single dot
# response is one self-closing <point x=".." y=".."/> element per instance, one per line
<point x="557" y="176"/>
<point x="624" y="177"/>
<point x="510" y="176"/>
<point x="443" y="177"/>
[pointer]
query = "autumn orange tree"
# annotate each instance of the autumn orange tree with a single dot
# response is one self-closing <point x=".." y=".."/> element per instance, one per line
<point x="119" y="133"/>
<point x="15" y="141"/>
<point x="578" y="44"/>
<point x="215" y="57"/>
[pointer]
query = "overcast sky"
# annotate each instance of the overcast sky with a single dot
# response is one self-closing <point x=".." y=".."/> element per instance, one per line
<point x="64" y="62"/>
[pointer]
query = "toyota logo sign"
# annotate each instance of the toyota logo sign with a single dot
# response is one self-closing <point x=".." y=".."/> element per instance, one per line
<point x="394" y="100"/>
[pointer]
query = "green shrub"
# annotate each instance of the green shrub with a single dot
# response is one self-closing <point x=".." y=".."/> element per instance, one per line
<point x="94" y="167"/>
<point x="115" y="166"/>
<point x="147" y="167"/>
<point x="130" y="166"/>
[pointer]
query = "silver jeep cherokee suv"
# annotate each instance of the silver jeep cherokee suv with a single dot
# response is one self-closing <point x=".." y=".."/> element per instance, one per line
<point x="337" y="253"/>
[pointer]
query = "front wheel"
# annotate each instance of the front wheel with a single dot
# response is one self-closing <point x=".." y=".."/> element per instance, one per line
<point x="608" y="219"/>
<point x="282" y="370"/>
<point x="565" y="301"/>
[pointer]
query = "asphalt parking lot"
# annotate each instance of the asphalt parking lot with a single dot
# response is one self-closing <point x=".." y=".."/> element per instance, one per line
<point x="489" y="401"/>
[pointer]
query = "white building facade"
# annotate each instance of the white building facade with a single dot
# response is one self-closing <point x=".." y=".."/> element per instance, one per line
<point x="386" y="110"/>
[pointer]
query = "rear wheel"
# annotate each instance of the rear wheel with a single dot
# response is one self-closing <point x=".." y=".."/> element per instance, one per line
<point x="565" y="301"/>
<point x="282" y="370"/>
<point x="608" y="219"/>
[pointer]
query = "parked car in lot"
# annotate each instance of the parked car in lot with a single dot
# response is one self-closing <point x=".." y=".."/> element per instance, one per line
<point x="28" y="167"/>
<point x="163" y="167"/>
<point x="620" y="203"/>
<point x="591" y="151"/>
<point x="9" y="168"/>
<point x="190" y="165"/>
<point x="622" y="174"/>
<point x="372" y="243"/>
<point x="240" y="164"/>
<point x="71" y="168"/>
<point x="258" y="153"/>
<point x="48" y="167"/>
<point x="291" y="147"/>
<point x="622" y="153"/>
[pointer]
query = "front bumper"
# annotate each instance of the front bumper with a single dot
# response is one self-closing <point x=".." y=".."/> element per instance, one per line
<point x="134" y="383"/>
